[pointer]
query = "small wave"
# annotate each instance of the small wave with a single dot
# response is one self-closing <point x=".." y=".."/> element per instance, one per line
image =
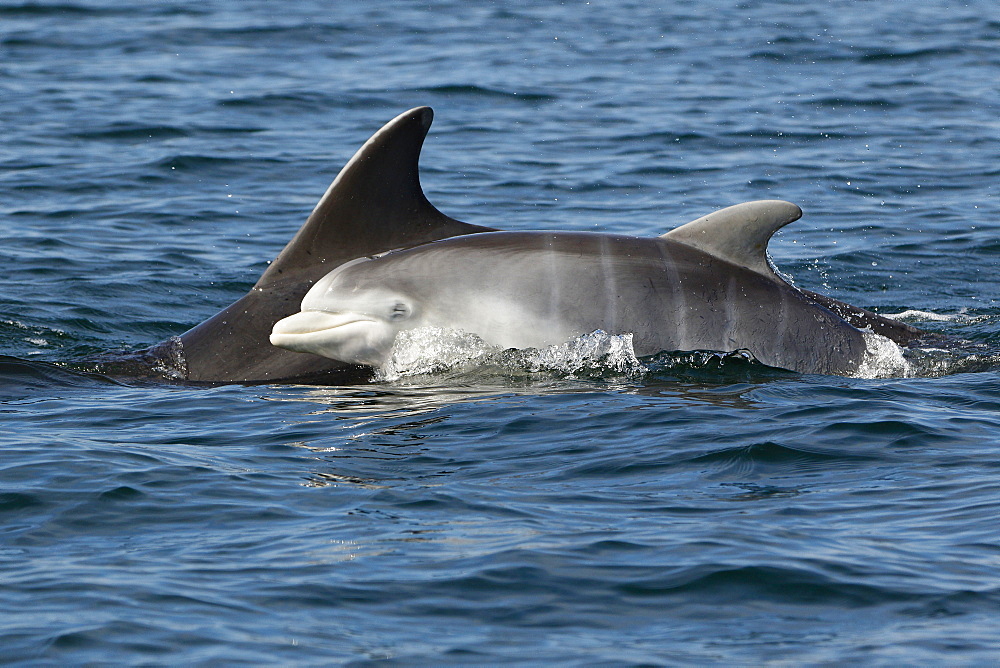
<point x="21" y="379"/>
<point x="197" y="162"/>
<point x="310" y="31"/>
<point x="852" y="102"/>
<point x="711" y="366"/>
<point x="170" y="360"/>
<point x="592" y="352"/>
<point x="930" y="357"/>
<point x="901" y="55"/>
<point x="598" y="355"/>
<point x="428" y="350"/>
<point x="913" y="314"/>
<point x="760" y="582"/>
<point x="937" y="362"/>
<point x="132" y="131"/>
<point x="661" y="137"/>
<point x="773" y="55"/>
<point x="482" y="91"/>
<point x="303" y="100"/>
<point x="786" y="136"/>
<point x="164" y="361"/>
<point x="37" y="338"/>
<point x="748" y="457"/>
<point x="62" y="10"/>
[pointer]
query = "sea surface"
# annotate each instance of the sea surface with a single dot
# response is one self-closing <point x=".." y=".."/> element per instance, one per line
<point x="691" y="510"/>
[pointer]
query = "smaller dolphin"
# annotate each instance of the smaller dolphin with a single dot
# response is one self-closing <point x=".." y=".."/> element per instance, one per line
<point x="707" y="285"/>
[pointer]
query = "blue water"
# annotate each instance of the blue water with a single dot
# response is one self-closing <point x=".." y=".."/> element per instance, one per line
<point x="156" y="155"/>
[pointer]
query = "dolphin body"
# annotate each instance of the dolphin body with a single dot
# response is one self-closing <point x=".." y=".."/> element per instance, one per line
<point x="704" y="286"/>
<point x="375" y="257"/>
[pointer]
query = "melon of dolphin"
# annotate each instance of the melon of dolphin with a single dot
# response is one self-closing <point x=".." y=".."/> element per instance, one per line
<point x="709" y="282"/>
<point x="706" y="285"/>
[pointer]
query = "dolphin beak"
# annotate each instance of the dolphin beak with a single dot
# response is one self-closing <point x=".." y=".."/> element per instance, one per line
<point x="349" y="337"/>
<point x="295" y="330"/>
<point x="308" y="322"/>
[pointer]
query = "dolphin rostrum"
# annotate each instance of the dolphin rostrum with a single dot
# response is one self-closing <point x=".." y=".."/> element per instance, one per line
<point x="375" y="257"/>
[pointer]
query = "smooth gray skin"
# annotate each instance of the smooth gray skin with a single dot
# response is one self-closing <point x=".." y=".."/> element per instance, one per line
<point x="704" y="286"/>
<point x="376" y="204"/>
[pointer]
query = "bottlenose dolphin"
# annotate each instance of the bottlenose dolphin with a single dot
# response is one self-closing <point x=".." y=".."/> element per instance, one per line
<point x="704" y="286"/>
<point x="375" y="204"/>
<point x="707" y="285"/>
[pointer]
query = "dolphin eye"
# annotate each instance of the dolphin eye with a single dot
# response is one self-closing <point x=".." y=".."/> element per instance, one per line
<point x="399" y="311"/>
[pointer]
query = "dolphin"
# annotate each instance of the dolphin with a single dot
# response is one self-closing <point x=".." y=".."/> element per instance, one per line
<point x="707" y="285"/>
<point x="375" y="256"/>
<point x="375" y="204"/>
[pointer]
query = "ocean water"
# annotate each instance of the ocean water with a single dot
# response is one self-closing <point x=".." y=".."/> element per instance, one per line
<point x="683" y="510"/>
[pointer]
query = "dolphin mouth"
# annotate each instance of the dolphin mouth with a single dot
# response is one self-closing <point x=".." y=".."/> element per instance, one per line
<point x="312" y="322"/>
<point x="314" y="331"/>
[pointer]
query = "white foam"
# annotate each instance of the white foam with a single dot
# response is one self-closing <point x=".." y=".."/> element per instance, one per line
<point x="431" y="350"/>
<point x="882" y="359"/>
<point x="428" y="350"/>
<point x="913" y="314"/>
<point x="595" y="351"/>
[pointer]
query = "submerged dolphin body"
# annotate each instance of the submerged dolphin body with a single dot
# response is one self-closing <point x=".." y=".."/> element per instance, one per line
<point x="706" y="285"/>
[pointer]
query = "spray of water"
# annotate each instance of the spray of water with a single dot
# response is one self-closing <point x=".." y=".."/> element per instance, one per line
<point x="428" y="350"/>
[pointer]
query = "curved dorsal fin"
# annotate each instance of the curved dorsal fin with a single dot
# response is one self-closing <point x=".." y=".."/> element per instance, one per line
<point x="375" y="204"/>
<point x="739" y="233"/>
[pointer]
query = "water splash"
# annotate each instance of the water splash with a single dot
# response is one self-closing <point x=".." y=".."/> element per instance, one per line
<point x="430" y="350"/>
<point x="882" y="359"/>
<point x="926" y="358"/>
<point x="597" y="351"/>
<point x="438" y="351"/>
<point x="169" y="359"/>
<point x="427" y="350"/>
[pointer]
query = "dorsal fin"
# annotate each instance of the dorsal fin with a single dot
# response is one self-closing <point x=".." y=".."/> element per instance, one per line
<point x="375" y="204"/>
<point x="739" y="233"/>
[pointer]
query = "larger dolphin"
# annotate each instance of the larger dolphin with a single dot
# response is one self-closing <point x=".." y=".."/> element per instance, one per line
<point x="704" y="285"/>
<point x="375" y="204"/>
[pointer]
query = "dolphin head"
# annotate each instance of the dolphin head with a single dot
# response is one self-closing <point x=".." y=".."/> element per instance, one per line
<point x="348" y="317"/>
